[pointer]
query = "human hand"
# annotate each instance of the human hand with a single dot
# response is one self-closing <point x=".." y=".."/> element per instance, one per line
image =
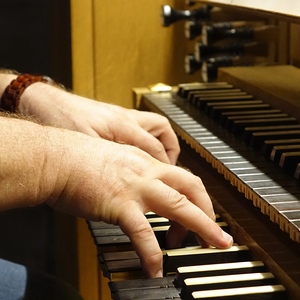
<point x="119" y="183"/>
<point x="101" y="180"/>
<point x="145" y="130"/>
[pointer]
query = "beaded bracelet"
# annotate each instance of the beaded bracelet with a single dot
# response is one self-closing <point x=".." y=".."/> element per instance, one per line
<point x="12" y="94"/>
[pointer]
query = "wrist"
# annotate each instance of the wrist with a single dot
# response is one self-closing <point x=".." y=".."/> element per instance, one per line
<point x="13" y="92"/>
<point x="5" y="80"/>
<point x="42" y="101"/>
<point x="56" y="170"/>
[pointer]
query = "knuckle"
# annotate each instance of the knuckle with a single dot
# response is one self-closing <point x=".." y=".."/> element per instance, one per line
<point x="179" y="201"/>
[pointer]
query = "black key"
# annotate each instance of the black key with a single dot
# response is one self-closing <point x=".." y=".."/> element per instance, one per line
<point x="250" y="112"/>
<point x="289" y="161"/>
<point x="114" y="263"/>
<point x="258" y="138"/>
<point x="202" y="101"/>
<point x="215" y="112"/>
<point x="239" y="126"/>
<point x="278" y="150"/>
<point x="250" y="131"/>
<point x="210" y="93"/>
<point x="297" y="171"/>
<point x="141" y="283"/>
<point x="246" y="113"/>
<point x="113" y="231"/>
<point x="105" y="241"/>
<point x="269" y="144"/>
<point x="229" y="121"/>
<point x="185" y="89"/>
<point x="192" y="256"/>
<point x="214" y="109"/>
<point x="183" y="86"/>
<point x="99" y="225"/>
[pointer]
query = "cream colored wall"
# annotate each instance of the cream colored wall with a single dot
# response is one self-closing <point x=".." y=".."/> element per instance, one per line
<point x="119" y="45"/>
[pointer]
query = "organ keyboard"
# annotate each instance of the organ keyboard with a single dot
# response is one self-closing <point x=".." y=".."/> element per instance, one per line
<point x="245" y="147"/>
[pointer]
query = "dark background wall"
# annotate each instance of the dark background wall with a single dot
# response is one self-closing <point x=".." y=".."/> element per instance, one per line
<point x="35" y="38"/>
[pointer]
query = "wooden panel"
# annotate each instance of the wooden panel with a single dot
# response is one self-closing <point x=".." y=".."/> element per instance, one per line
<point x="118" y="46"/>
<point x="82" y="47"/>
<point x="88" y="269"/>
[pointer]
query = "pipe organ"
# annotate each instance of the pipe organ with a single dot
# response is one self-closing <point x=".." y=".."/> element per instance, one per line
<point x="239" y="131"/>
<point x="237" y="39"/>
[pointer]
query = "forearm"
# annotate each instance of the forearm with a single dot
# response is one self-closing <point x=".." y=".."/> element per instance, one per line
<point x="27" y="177"/>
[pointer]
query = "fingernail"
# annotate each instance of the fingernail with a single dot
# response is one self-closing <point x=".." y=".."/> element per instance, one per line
<point x="159" y="274"/>
<point x="228" y="238"/>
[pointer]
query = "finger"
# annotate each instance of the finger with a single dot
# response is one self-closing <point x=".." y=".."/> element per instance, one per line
<point x="189" y="185"/>
<point x="135" y="225"/>
<point x="169" y="203"/>
<point x="144" y="140"/>
<point x="171" y="147"/>
<point x="160" y="127"/>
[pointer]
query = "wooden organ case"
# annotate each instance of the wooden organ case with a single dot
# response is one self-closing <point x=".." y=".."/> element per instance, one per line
<point x="240" y="133"/>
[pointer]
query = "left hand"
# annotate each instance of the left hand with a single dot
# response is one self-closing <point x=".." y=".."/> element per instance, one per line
<point x="146" y="130"/>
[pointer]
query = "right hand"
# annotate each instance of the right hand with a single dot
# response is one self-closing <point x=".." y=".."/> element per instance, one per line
<point x="117" y="183"/>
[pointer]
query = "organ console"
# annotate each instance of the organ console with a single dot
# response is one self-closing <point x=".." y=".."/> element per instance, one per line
<point x="241" y="135"/>
<point x="238" y="41"/>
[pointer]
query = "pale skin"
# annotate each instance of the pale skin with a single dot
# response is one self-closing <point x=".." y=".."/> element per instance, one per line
<point x="84" y="170"/>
